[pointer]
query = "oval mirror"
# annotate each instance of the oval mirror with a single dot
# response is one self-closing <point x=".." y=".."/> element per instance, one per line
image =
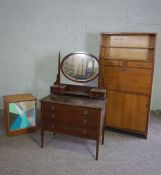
<point x="80" y="67"/>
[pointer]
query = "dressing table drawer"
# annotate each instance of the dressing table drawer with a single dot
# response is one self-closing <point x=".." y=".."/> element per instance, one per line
<point x="77" y="131"/>
<point x="67" y="117"/>
<point x="76" y="111"/>
<point x="97" y="93"/>
<point x="48" y="107"/>
<point x="139" y="64"/>
<point x="78" y="117"/>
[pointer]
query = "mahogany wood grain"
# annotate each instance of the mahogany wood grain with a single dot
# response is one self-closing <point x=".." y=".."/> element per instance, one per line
<point x="73" y="115"/>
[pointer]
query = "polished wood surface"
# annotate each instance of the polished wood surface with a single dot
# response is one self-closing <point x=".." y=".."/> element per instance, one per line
<point x="114" y="109"/>
<point x="127" y="65"/>
<point x="128" y="79"/>
<point x="135" y="111"/>
<point x="19" y="97"/>
<point x="73" y="115"/>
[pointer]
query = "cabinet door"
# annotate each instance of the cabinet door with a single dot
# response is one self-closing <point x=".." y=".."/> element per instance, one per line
<point x="135" y="112"/>
<point x="114" y="109"/>
<point x="128" y="79"/>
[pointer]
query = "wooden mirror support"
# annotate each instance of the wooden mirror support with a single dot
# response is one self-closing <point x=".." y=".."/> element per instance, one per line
<point x="91" y="63"/>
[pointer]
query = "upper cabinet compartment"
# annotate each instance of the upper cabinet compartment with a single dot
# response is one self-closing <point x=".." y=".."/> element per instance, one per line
<point x="128" y="46"/>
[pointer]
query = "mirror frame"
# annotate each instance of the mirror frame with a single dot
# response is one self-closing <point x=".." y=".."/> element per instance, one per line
<point x="75" y="53"/>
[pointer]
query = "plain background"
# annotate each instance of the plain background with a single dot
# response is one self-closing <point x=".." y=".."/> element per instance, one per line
<point x="32" y="32"/>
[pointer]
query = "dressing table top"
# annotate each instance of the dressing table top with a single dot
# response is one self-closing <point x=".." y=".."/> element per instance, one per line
<point x="75" y="101"/>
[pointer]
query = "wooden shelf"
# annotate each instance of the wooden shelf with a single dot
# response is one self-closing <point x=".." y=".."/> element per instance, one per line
<point x="121" y="47"/>
<point x="125" y="59"/>
<point x="146" y="60"/>
<point x="128" y="34"/>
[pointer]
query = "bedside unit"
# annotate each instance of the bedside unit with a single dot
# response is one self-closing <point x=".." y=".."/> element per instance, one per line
<point x="19" y="114"/>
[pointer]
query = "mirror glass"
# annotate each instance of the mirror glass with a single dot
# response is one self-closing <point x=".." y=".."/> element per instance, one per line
<point x="80" y="67"/>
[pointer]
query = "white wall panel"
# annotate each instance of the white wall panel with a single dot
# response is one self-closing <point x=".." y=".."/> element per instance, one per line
<point x="32" y="32"/>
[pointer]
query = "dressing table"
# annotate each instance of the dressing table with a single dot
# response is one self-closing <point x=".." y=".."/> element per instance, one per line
<point x="75" y="109"/>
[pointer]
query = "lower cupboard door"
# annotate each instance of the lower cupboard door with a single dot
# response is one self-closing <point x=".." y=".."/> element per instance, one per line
<point x="135" y="112"/>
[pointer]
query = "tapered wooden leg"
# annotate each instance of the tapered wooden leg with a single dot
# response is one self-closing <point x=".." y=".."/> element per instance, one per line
<point x="97" y="148"/>
<point x="42" y="137"/>
<point x="103" y="132"/>
<point x="42" y="127"/>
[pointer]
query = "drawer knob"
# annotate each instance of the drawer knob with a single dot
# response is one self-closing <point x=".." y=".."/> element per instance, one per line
<point x="85" y="112"/>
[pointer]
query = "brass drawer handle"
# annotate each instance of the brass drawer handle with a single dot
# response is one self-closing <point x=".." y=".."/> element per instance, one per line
<point x="84" y="131"/>
<point x="53" y="116"/>
<point x="85" y="112"/>
<point x="53" y="125"/>
<point x="85" y="121"/>
<point x="52" y="107"/>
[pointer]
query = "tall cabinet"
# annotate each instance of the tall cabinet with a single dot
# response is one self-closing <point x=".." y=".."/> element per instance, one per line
<point x="127" y="63"/>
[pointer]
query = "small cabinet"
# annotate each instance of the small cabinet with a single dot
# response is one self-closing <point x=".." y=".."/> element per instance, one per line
<point x="19" y="114"/>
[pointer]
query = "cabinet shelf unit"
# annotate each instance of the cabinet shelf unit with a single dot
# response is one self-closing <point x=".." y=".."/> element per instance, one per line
<point x="127" y="64"/>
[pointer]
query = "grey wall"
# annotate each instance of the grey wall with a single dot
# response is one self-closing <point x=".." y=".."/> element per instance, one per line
<point x="33" y="31"/>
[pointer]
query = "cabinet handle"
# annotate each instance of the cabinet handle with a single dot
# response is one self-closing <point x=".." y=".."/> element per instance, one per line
<point x="140" y="65"/>
<point x="123" y="69"/>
